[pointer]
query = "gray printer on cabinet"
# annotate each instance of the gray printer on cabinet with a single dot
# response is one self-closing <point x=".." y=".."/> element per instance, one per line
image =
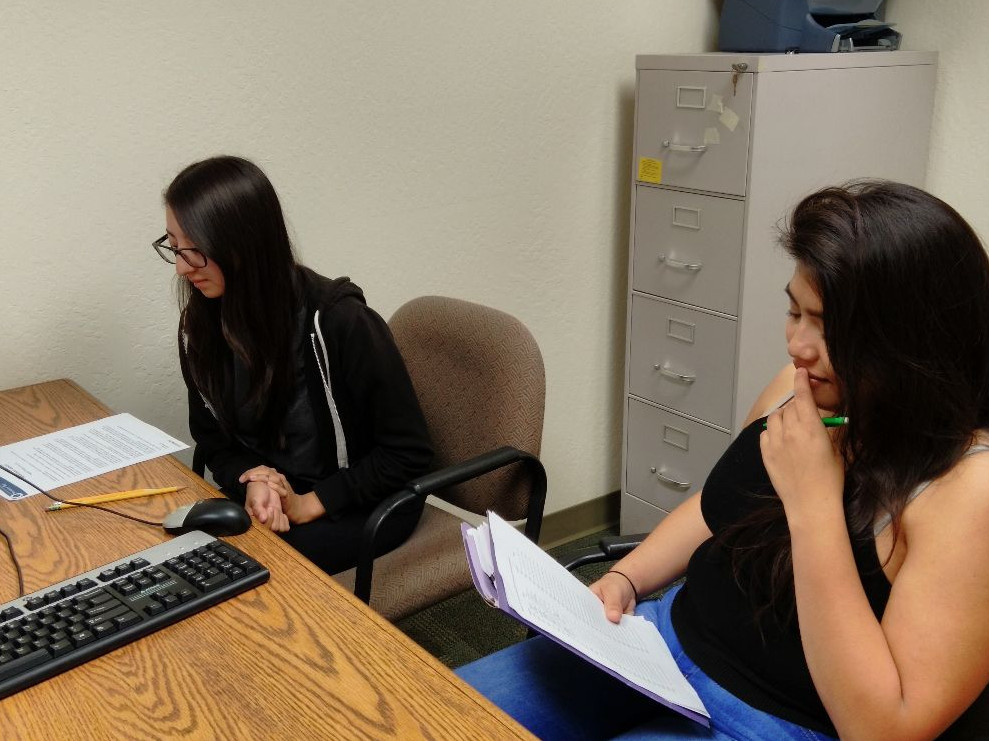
<point x="805" y="26"/>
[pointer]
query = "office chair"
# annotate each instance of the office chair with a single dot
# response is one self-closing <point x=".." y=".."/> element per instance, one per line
<point x="480" y="381"/>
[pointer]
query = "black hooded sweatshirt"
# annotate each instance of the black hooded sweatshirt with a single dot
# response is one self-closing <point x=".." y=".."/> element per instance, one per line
<point x="366" y="413"/>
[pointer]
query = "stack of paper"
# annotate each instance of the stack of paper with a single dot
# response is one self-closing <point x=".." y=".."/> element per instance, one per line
<point x="515" y="575"/>
<point x="80" y="452"/>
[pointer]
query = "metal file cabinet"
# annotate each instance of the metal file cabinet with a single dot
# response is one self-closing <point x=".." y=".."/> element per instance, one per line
<point x="725" y="145"/>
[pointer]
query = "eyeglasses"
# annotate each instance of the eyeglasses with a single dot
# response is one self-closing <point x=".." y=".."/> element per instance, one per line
<point x="193" y="257"/>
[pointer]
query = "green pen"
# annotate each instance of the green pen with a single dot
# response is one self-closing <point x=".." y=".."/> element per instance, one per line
<point x="829" y="421"/>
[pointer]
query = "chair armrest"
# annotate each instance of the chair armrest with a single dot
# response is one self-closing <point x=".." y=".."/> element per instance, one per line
<point x="609" y="548"/>
<point x="369" y="536"/>
<point x="616" y="546"/>
<point x="484" y="463"/>
<point x="458" y="473"/>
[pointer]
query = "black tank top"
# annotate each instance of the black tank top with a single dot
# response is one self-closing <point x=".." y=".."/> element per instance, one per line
<point x="762" y="664"/>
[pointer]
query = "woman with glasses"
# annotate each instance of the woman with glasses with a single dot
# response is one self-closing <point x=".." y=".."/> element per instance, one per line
<point x="299" y="400"/>
<point x="837" y="570"/>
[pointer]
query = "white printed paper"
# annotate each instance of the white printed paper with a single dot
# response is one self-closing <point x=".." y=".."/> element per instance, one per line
<point x="81" y="452"/>
<point x="541" y="592"/>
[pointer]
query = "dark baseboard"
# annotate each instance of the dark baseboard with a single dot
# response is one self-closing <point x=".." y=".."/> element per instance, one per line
<point x="579" y="520"/>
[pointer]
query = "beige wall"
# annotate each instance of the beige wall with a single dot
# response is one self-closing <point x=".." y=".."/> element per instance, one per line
<point x="960" y="134"/>
<point x="471" y="149"/>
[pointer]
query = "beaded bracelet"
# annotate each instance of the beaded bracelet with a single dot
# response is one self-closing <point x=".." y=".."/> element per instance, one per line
<point x="634" y="590"/>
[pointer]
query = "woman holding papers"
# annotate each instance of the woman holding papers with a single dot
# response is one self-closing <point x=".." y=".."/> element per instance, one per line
<point x="837" y="577"/>
<point x="298" y="396"/>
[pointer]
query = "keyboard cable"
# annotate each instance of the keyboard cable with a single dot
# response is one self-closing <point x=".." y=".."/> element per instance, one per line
<point x="10" y="545"/>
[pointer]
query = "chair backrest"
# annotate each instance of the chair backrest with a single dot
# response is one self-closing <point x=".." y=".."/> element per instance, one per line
<point x="480" y="381"/>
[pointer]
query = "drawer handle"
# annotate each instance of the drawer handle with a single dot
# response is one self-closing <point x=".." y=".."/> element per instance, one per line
<point x="688" y="148"/>
<point x="683" y="378"/>
<point x="690" y="267"/>
<point x="673" y="483"/>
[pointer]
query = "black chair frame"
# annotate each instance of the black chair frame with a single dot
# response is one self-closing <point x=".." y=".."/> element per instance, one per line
<point x="418" y="489"/>
<point x="609" y="548"/>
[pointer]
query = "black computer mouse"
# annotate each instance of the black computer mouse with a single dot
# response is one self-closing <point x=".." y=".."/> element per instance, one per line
<point x="214" y="516"/>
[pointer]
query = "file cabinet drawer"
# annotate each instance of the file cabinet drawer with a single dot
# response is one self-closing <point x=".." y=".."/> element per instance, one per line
<point x="683" y="359"/>
<point x="638" y="516"/>
<point x="697" y="125"/>
<point x="668" y="456"/>
<point x="688" y="247"/>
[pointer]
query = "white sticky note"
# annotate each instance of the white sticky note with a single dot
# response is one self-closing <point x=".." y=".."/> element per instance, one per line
<point x="711" y="135"/>
<point x="716" y="103"/>
<point x="729" y="118"/>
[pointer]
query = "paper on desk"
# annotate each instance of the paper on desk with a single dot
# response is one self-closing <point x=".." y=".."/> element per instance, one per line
<point x="530" y="585"/>
<point x="81" y="452"/>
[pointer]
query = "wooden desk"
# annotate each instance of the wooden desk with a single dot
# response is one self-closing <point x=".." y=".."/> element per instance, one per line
<point x="296" y="658"/>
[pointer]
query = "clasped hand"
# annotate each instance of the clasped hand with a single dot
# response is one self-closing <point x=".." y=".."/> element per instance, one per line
<point x="263" y="504"/>
<point x="803" y="463"/>
<point x="272" y="501"/>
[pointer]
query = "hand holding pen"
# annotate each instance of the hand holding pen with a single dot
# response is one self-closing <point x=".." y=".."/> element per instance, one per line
<point x="805" y="467"/>
<point x="828" y="422"/>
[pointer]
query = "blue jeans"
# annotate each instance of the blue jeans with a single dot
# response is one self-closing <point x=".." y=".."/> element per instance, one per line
<point x="557" y="695"/>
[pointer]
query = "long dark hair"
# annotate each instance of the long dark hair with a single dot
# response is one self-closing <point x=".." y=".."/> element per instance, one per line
<point x="229" y="210"/>
<point x="904" y="283"/>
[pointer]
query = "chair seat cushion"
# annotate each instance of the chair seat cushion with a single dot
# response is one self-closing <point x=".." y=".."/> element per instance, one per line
<point x="406" y="580"/>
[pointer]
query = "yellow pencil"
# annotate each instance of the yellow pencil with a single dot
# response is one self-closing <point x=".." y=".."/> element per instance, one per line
<point x="114" y="497"/>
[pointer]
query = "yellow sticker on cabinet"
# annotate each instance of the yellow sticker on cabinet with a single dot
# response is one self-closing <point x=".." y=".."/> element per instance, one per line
<point x="650" y="170"/>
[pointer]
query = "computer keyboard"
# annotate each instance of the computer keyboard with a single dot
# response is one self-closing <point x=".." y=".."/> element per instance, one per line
<point x="66" y="624"/>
